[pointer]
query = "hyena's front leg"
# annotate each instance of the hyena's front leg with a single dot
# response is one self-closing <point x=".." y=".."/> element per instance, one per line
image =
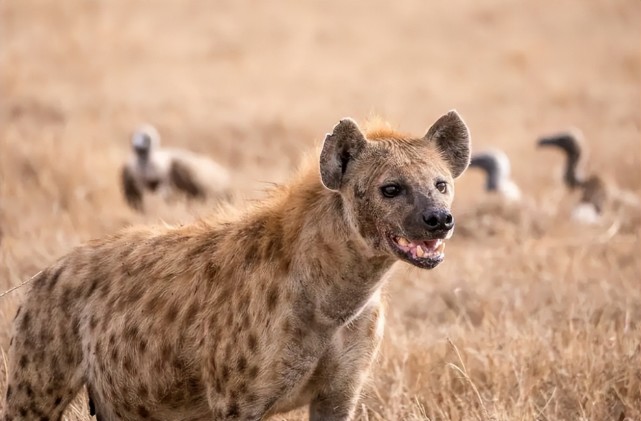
<point x="344" y="369"/>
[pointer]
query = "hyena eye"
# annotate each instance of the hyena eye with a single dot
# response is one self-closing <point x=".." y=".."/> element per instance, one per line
<point x="391" y="190"/>
<point x="441" y="186"/>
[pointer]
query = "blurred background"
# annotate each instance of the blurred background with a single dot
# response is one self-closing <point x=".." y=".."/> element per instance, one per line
<point x="543" y="325"/>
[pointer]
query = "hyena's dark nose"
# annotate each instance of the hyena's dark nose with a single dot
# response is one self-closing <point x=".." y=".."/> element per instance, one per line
<point x="438" y="220"/>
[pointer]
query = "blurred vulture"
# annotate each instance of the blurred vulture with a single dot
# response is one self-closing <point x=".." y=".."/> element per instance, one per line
<point x="153" y="168"/>
<point x="595" y="193"/>
<point x="496" y="166"/>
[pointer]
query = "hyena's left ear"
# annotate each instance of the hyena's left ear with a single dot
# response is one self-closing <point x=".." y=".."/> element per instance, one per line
<point x="453" y="140"/>
<point x="340" y="148"/>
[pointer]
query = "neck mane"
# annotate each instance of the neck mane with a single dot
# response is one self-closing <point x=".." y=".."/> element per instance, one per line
<point x="304" y="233"/>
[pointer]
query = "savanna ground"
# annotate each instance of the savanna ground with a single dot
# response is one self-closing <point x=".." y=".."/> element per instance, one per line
<point x="531" y="317"/>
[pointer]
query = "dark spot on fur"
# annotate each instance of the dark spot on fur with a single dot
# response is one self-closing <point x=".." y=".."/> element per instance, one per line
<point x="92" y="287"/>
<point x="58" y="400"/>
<point x="143" y="390"/>
<point x="242" y="363"/>
<point x="252" y="342"/>
<point x="272" y="298"/>
<point x="242" y="389"/>
<point x="251" y="249"/>
<point x="225" y="373"/>
<point x="105" y="288"/>
<point x="26" y="320"/>
<point x="271" y="248"/>
<point x="9" y="392"/>
<point x="128" y="363"/>
<point x="143" y="412"/>
<point x="211" y="270"/>
<point x="54" y="279"/>
<point x="53" y="360"/>
<point x="45" y="334"/>
<point x="191" y="313"/>
<point x="298" y="332"/>
<point x="204" y="248"/>
<point x="253" y="372"/>
<point x="40" y="280"/>
<point x="134" y="296"/>
<point x="359" y="192"/>
<point x="178" y="364"/>
<point x="66" y="299"/>
<point x="232" y="410"/>
<point x="131" y="332"/>
<point x="142" y="346"/>
<point x="287" y="326"/>
<point x="154" y="304"/>
<point x="193" y="386"/>
<point x="171" y="314"/>
<point x="93" y="322"/>
<point x="114" y="354"/>
<point x="24" y="360"/>
<point x="28" y="342"/>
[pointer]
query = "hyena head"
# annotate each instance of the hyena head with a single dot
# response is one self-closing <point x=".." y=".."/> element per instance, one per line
<point x="397" y="190"/>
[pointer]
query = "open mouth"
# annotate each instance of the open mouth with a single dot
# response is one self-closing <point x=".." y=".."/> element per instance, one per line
<point x="426" y="254"/>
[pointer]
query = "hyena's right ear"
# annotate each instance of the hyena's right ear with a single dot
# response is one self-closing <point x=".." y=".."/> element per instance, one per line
<point x="339" y="148"/>
<point x="453" y="141"/>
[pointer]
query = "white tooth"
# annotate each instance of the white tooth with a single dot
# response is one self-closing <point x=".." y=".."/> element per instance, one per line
<point x="419" y="251"/>
<point x="403" y="242"/>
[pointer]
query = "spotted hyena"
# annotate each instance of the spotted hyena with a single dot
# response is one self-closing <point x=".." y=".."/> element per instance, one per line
<point x="247" y="316"/>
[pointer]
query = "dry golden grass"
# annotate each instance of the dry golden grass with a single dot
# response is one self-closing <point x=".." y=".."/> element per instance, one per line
<point x="530" y="317"/>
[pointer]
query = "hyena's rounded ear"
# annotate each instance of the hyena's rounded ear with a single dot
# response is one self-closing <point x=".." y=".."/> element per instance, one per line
<point x="453" y="140"/>
<point x="339" y="148"/>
